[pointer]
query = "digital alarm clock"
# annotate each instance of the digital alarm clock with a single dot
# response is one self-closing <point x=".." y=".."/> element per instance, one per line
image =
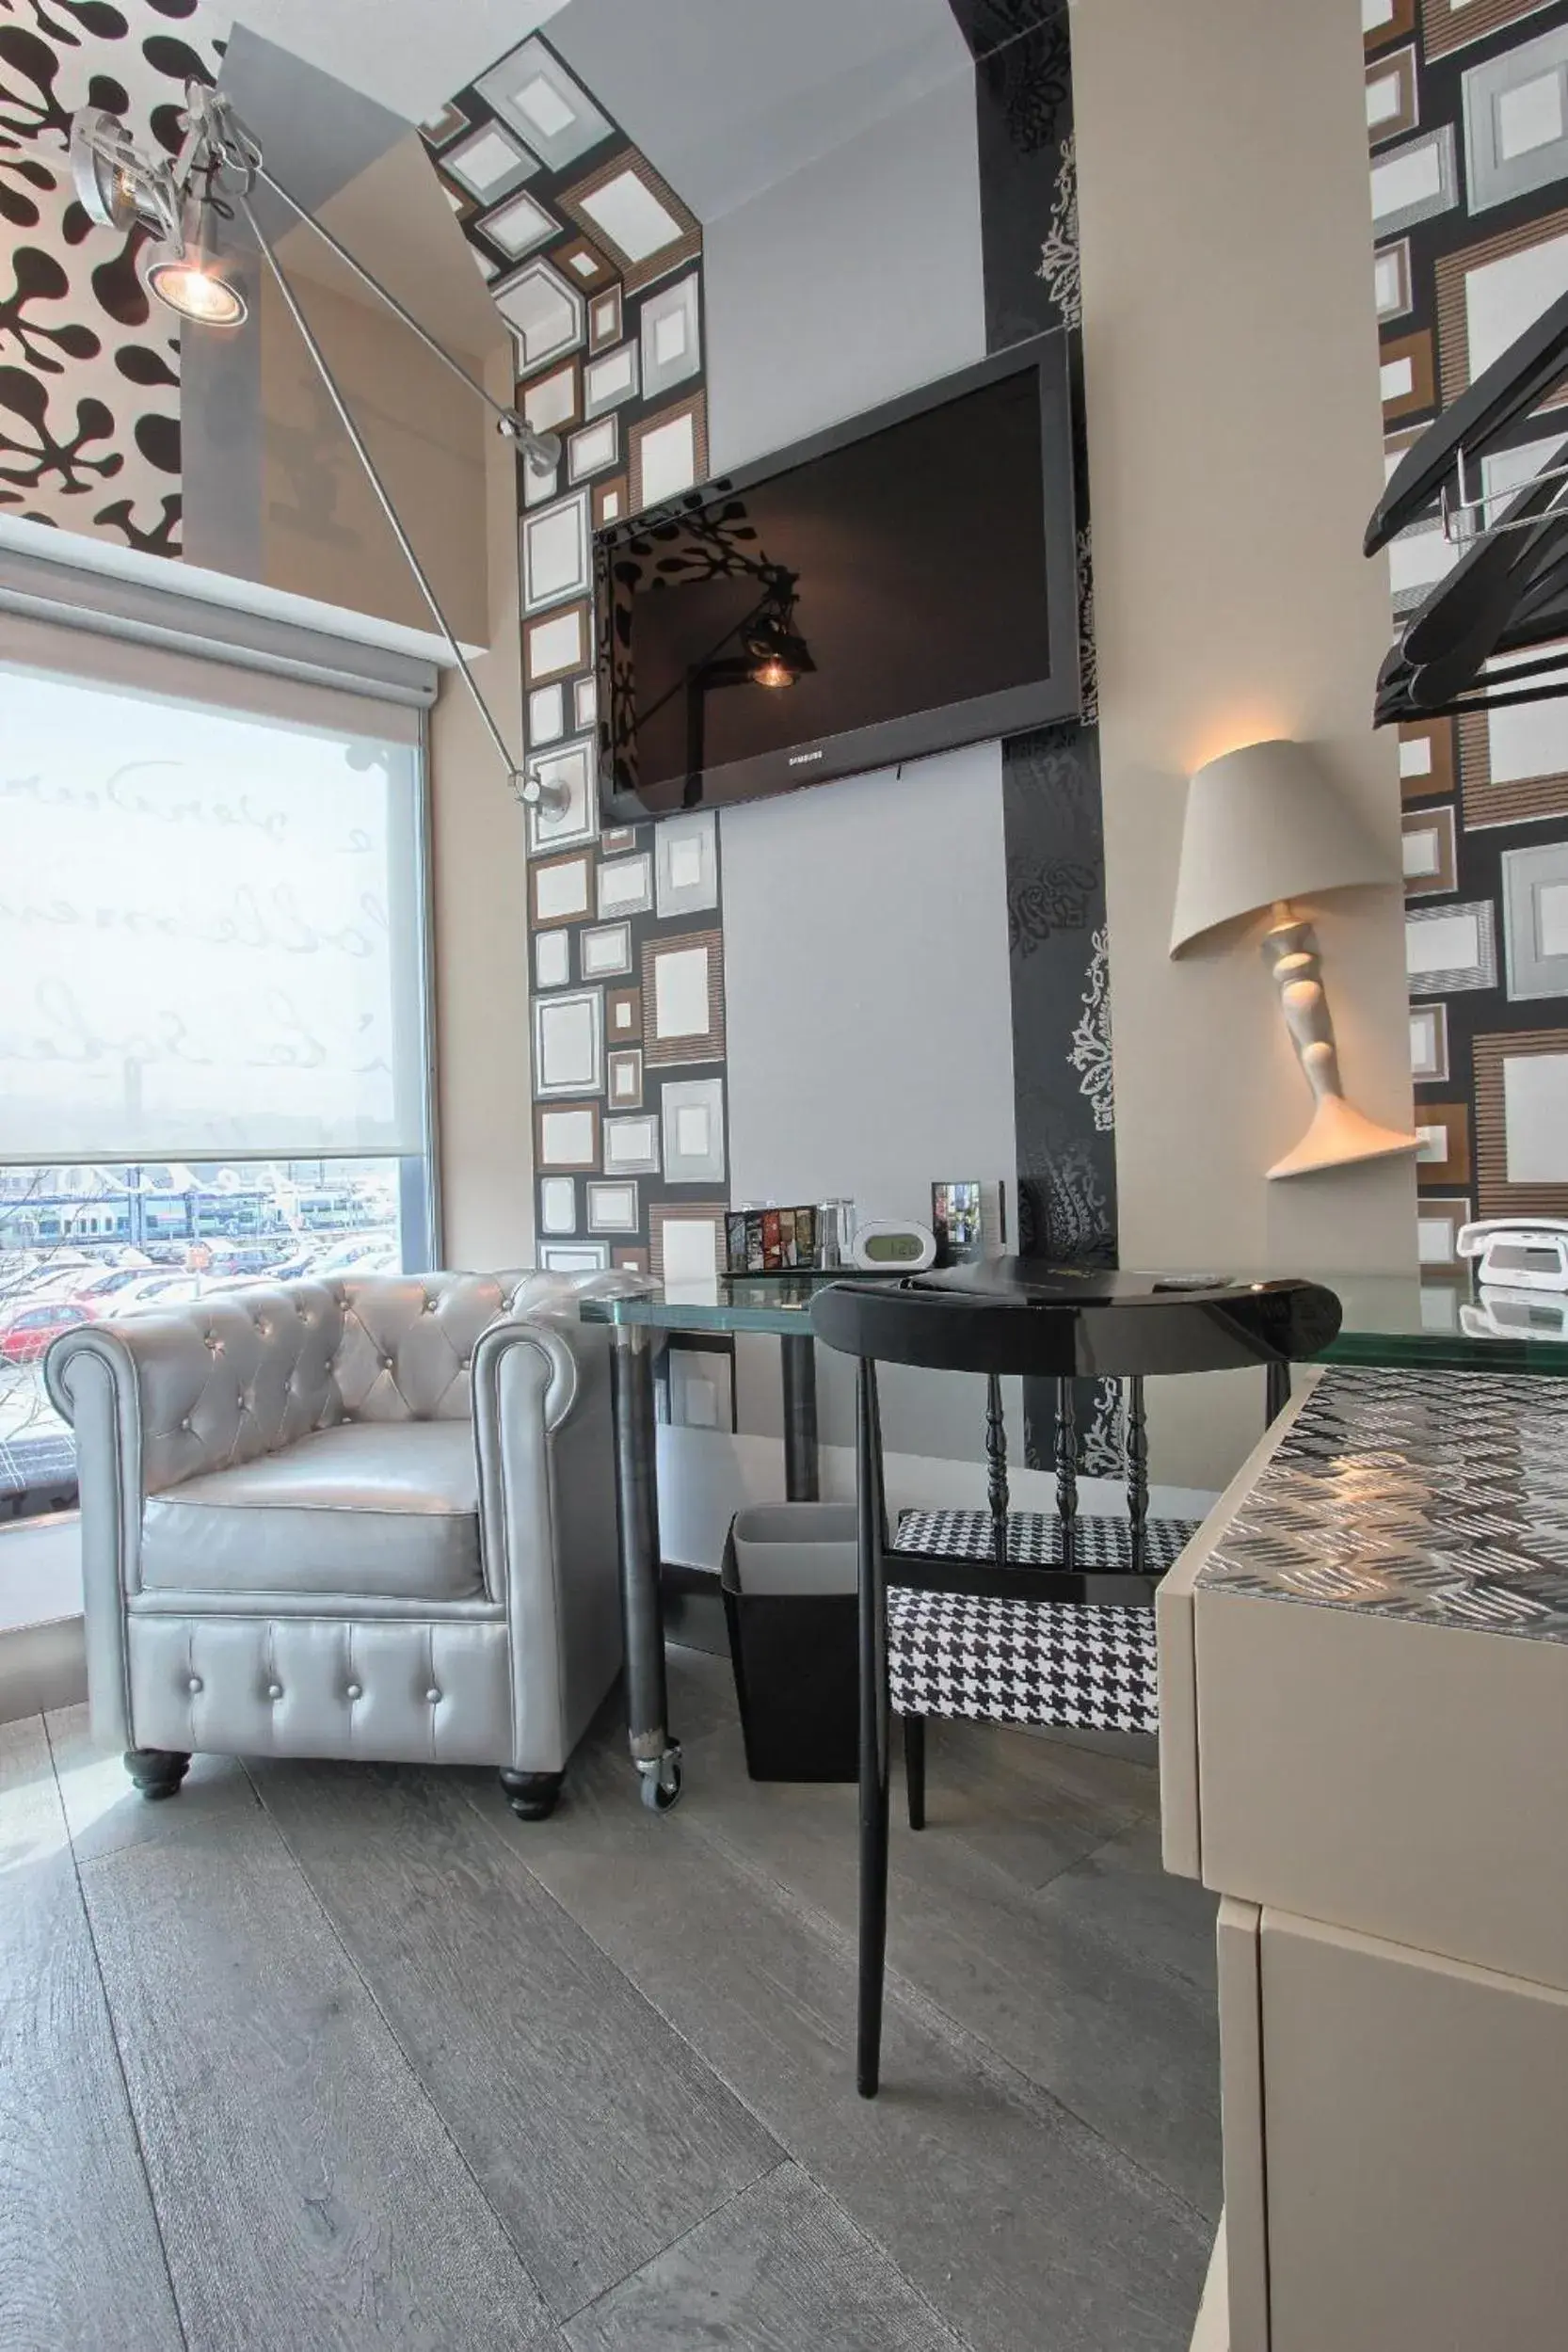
<point x="893" y="1245"/>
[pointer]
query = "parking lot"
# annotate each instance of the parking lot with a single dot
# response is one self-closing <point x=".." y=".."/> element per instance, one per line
<point x="62" y="1286"/>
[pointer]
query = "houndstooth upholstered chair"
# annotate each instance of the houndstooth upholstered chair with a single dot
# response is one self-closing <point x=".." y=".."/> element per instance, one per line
<point x="371" y="1517"/>
<point x="1010" y="1616"/>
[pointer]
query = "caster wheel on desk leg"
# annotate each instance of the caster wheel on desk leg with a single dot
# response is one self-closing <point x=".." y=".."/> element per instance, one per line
<point x="662" y="1784"/>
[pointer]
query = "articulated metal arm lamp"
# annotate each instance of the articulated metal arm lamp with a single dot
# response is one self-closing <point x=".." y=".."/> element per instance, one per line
<point x="179" y="205"/>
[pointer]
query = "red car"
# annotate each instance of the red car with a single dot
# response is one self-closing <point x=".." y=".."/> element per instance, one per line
<point x="26" y="1330"/>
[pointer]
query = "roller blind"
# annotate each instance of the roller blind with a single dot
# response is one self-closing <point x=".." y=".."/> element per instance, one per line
<point x="210" y="912"/>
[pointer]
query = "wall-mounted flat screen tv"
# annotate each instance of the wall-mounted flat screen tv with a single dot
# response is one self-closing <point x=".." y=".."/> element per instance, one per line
<point x="891" y="587"/>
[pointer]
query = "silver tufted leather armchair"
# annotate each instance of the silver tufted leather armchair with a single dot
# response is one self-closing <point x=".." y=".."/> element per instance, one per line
<point x="370" y="1517"/>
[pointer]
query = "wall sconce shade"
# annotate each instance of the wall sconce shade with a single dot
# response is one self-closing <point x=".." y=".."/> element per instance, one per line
<point x="1265" y="824"/>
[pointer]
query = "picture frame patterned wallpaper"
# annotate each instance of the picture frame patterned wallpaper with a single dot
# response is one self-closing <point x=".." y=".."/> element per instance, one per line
<point x="596" y="264"/>
<point x="1467" y="135"/>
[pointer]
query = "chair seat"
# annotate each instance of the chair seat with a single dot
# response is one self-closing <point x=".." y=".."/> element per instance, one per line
<point x="384" y="1507"/>
<point x="1083" y="1665"/>
<point x="1035" y="1538"/>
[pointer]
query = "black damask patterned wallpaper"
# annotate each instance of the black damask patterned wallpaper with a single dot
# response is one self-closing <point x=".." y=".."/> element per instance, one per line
<point x="1056" y="920"/>
<point x="1467" y="120"/>
<point x="90" y="369"/>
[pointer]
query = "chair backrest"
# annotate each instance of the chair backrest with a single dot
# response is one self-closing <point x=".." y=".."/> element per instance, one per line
<point x="407" y="1340"/>
<point x="239" y="1373"/>
<point x="1009" y="1316"/>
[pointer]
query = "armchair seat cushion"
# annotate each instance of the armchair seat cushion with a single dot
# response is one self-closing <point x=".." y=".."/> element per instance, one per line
<point x="379" y="1508"/>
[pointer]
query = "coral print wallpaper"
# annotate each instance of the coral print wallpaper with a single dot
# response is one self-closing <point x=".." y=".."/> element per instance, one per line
<point x="1468" y="117"/>
<point x="596" y="265"/>
<point x="89" y="371"/>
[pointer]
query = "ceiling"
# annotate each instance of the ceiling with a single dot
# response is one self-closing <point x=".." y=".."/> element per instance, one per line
<point x="727" y="97"/>
<point x="407" y="54"/>
<point x="355" y="165"/>
<point x="724" y="97"/>
<point x="393" y="217"/>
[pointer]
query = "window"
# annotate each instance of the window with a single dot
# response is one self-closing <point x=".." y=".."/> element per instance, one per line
<point x="213" y="1055"/>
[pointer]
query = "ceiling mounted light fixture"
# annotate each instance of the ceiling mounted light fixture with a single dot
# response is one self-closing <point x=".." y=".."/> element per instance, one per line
<point x="181" y="205"/>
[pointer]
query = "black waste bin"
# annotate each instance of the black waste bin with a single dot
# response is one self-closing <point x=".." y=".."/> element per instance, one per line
<point x="789" y="1584"/>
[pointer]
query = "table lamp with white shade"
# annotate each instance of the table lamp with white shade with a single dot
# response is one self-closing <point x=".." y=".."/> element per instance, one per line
<point x="1264" y="826"/>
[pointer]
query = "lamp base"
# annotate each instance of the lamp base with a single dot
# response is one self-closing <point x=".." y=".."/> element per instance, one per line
<point x="1337" y="1138"/>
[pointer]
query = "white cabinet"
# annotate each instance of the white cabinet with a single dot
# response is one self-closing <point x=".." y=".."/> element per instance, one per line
<point x="1379" y="1792"/>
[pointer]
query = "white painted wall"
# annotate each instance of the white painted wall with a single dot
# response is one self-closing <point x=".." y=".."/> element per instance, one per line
<point x="870" y="1037"/>
<point x="704" y="1479"/>
<point x="848" y="282"/>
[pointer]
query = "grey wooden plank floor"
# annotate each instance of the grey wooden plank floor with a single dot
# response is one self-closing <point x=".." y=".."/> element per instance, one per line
<point x="348" y="2056"/>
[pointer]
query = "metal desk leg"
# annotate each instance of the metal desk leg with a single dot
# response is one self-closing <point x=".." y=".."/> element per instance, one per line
<point x="802" y="1464"/>
<point x="656" y="1755"/>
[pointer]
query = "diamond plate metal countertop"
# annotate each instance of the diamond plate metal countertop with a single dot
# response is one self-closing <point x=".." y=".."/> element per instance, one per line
<point x="1439" y="1498"/>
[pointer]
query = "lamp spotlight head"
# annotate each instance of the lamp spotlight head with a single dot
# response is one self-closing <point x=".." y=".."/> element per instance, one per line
<point x="188" y="274"/>
<point x="542" y="450"/>
<point x="116" y="186"/>
<point x="552" y="799"/>
<point x="105" y="190"/>
<point x="184" y="286"/>
<point x="780" y="655"/>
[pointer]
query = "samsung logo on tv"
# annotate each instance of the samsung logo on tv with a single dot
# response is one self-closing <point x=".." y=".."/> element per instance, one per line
<point x="803" y="758"/>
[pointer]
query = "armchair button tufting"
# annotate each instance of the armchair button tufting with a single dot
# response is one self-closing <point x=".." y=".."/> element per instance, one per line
<point x="194" y="1684"/>
<point x="352" y="1690"/>
<point x="275" y="1691"/>
<point x="432" y="1696"/>
<point x="186" y="1425"/>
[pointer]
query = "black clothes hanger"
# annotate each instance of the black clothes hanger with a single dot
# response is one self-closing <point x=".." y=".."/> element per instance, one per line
<point x="1517" y="383"/>
<point x="1509" y="591"/>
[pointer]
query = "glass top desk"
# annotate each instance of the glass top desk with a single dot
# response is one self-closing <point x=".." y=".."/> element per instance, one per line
<point x="1439" y="1322"/>
<point x="1428" y="1321"/>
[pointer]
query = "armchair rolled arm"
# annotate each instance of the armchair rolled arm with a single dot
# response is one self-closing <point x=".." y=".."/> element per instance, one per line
<point x="92" y="1379"/>
<point x="546" y="1513"/>
<point x="543" y="1378"/>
